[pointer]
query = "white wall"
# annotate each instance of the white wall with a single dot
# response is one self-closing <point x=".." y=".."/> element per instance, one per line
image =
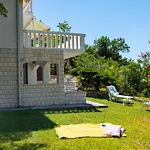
<point x="8" y="30"/>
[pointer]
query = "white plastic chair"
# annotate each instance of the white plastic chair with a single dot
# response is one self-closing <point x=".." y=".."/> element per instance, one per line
<point x="114" y="95"/>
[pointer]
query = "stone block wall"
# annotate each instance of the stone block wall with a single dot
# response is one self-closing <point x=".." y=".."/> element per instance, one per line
<point x="38" y="94"/>
<point x="48" y="94"/>
<point x="8" y="78"/>
<point x="78" y="97"/>
<point x="42" y="95"/>
<point x="52" y="56"/>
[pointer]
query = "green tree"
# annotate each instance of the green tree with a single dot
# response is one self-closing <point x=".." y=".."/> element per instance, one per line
<point x="89" y="49"/>
<point x="3" y="10"/>
<point x="64" y="27"/>
<point x="129" y="77"/>
<point x="101" y="64"/>
<point x="144" y="61"/>
<point x="96" y="73"/>
<point x="133" y="77"/>
<point x="110" y="48"/>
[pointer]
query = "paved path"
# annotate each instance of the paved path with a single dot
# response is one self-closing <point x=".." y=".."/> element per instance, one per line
<point x="88" y="104"/>
<point x="94" y="104"/>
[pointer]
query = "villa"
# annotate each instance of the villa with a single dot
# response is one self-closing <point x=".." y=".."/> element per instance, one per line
<point x="32" y="60"/>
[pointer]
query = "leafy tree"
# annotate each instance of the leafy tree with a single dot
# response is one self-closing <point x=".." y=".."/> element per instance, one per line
<point x="144" y="61"/>
<point x="95" y="73"/>
<point x="64" y="27"/>
<point x="110" y="48"/>
<point x="89" y="49"/>
<point x="3" y="10"/>
<point x="133" y="78"/>
<point x="129" y="77"/>
<point x="102" y="64"/>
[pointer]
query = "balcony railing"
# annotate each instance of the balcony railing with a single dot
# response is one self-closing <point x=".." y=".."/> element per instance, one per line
<point x="53" y="40"/>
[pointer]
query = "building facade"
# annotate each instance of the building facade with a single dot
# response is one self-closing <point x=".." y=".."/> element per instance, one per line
<point x="32" y="60"/>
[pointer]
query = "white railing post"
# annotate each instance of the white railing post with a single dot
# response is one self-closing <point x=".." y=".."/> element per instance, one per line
<point x="60" y="41"/>
<point x="65" y="41"/>
<point x="34" y="41"/>
<point x="68" y="41"/>
<point x="29" y="40"/>
<point x="77" y="42"/>
<point x="72" y="42"/>
<point x="52" y="41"/>
<point x="82" y="42"/>
<point x="26" y="40"/>
<point x="47" y="43"/>
<point x="39" y="37"/>
<point x="56" y="42"/>
<point x="43" y="40"/>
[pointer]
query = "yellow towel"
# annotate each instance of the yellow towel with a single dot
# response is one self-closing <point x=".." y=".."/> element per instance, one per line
<point x="80" y="130"/>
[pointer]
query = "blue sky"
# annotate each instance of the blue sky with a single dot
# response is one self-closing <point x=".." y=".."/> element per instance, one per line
<point x="129" y="19"/>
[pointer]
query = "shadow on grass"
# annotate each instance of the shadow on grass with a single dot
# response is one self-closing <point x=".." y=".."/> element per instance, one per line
<point x="71" y="110"/>
<point x="26" y="146"/>
<point x="18" y="125"/>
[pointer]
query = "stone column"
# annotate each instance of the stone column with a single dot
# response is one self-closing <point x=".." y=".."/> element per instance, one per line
<point x="46" y="69"/>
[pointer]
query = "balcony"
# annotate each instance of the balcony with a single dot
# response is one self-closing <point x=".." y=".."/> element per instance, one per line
<point x="71" y="43"/>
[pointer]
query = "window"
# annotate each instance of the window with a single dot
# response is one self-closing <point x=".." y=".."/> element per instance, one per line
<point x="39" y="74"/>
<point x="53" y="78"/>
<point x="25" y="73"/>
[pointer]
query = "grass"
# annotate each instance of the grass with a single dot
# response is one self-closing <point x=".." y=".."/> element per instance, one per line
<point x="34" y="130"/>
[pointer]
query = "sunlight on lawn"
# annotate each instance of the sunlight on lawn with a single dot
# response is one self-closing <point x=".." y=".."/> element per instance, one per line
<point x="35" y="129"/>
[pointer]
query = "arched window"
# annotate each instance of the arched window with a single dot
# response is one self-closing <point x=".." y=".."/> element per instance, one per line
<point x="39" y="74"/>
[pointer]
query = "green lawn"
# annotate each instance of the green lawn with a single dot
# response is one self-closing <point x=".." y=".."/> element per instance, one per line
<point x="33" y="130"/>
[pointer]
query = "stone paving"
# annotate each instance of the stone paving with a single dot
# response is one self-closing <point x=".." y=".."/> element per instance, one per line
<point x="88" y="104"/>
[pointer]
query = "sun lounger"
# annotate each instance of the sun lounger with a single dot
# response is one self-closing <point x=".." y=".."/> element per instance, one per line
<point x="147" y="104"/>
<point x="115" y="96"/>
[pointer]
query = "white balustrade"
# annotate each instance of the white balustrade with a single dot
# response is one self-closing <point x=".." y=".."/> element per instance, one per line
<point x="53" y="40"/>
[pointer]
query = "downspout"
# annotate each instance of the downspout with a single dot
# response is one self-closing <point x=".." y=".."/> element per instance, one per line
<point x="18" y="49"/>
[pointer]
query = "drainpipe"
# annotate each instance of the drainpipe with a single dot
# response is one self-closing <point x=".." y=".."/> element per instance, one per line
<point x="18" y="49"/>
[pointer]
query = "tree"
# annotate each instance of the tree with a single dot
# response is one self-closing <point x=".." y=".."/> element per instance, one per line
<point x="3" y="10"/>
<point x="96" y="73"/>
<point x="64" y="27"/>
<point x="144" y="61"/>
<point x="89" y="49"/>
<point x="110" y="48"/>
<point x="129" y="78"/>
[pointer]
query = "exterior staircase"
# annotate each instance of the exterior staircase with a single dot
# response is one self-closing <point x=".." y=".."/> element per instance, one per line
<point x="70" y="83"/>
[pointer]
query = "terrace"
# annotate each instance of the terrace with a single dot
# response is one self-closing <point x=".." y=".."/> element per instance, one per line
<point x="71" y="43"/>
<point x="37" y="35"/>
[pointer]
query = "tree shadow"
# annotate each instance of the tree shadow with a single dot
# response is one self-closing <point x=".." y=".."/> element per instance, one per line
<point x="26" y="146"/>
<point x="71" y="110"/>
<point x="18" y="125"/>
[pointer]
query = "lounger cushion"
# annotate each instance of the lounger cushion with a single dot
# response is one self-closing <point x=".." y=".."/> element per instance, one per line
<point x="113" y="130"/>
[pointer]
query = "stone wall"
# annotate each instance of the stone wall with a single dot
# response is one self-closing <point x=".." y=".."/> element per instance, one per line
<point x="8" y="78"/>
<point x="75" y="97"/>
<point x="42" y="95"/>
<point x="38" y="94"/>
<point x="48" y="94"/>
